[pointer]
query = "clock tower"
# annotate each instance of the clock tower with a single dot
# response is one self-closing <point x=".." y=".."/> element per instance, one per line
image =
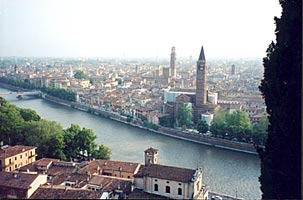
<point x="201" y="81"/>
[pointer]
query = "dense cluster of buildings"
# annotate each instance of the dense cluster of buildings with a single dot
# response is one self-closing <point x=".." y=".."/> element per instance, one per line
<point x="148" y="90"/>
<point x="50" y="178"/>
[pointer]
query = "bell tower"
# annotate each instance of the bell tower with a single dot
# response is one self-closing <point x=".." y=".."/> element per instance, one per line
<point x="201" y="81"/>
<point x="151" y="156"/>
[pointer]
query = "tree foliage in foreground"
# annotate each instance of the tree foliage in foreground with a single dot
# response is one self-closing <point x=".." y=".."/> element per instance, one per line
<point x="281" y="87"/>
<point x="25" y="126"/>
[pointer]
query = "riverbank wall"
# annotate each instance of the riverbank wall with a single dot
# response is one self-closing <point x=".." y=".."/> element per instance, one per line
<point x="196" y="138"/>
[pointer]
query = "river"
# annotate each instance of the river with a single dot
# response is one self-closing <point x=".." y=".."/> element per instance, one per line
<point x="225" y="171"/>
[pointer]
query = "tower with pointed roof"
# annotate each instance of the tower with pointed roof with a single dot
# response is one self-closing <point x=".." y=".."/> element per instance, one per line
<point x="201" y="102"/>
<point x="201" y="80"/>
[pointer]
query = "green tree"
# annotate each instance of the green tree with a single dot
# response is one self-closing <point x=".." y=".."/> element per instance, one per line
<point x="102" y="152"/>
<point x="218" y="125"/>
<point x="29" y="115"/>
<point x="202" y="126"/>
<point x="80" y="75"/>
<point x="55" y="144"/>
<point x="259" y="130"/>
<point x="282" y="89"/>
<point x="238" y="125"/>
<point x="38" y="133"/>
<point x="184" y="114"/>
<point x="166" y="120"/>
<point x="11" y="123"/>
<point x="85" y="140"/>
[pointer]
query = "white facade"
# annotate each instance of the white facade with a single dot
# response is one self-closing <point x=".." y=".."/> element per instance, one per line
<point x="213" y="98"/>
<point x="40" y="180"/>
<point x="207" y="117"/>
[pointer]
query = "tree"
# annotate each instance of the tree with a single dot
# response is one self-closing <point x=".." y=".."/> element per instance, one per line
<point x="29" y="114"/>
<point x="202" y="126"/>
<point x="231" y="125"/>
<point x="11" y="123"/>
<point x="218" y="125"/>
<point x="184" y="114"/>
<point x="238" y="125"/>
<point x="281" y="87"/>
<point x="102" y="152"/>
<point x="80" y="75"/>
<point x="259" y="130"/>
<point x="38" y="133"/>
<point x="166" y="120"/>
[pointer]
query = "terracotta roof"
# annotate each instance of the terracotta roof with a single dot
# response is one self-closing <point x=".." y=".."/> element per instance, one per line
<point x="166" y="172"/>
<point x="79" y="179"/>
<point x="32" y="167"/>
<point x="100" y="165"/>
<point x="61" y="192"/>
<point x="139" y="194"/>
<point x="44" y="162"/>
<point x="14" y="150"/>
<point x="17" y="180"/>
<point x="110" y="183"/>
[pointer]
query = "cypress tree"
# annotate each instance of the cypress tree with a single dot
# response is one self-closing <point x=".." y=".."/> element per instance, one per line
<point x="282" y="89"/>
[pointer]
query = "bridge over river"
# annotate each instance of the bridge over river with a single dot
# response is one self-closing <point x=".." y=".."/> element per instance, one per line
<point x="33" y="93"/>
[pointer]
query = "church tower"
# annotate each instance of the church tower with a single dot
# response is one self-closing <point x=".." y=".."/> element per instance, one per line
<point x="151" y="156"/>
<point x="173" y="70"/>
<point x="201" y="81"/>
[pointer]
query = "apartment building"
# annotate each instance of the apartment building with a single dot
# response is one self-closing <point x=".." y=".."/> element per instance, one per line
<point x="14" y="157"/>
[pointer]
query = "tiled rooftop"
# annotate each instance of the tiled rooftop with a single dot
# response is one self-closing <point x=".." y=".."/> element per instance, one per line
<point x="93" y="166"/>
<point x="61" y="192"/>
<point x="16" y="180"/>
<point x="139" y="194"/>
<point x="14" y="150"/>
<point x="166" y="172"/>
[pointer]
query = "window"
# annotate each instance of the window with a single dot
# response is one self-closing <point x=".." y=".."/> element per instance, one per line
<point x="179" y="191"/>
<point x="167" y="189"/>
<point x="156" y="187"/>
<point x="10" y="161"/>
<point x="16" y="158"/>
<point x="21" y="156"/>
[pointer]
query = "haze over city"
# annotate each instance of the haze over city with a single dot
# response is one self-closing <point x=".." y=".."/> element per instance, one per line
<point x="136" y="29"/>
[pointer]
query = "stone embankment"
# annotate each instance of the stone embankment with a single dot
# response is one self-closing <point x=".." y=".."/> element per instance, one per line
<point x="197" y="138"/>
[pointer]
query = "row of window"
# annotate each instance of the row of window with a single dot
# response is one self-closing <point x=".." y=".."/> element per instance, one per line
<point x="10" y="160"/>
<point x="167" y="189"/>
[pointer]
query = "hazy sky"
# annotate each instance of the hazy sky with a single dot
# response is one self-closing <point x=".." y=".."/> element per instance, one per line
<point x="137" y="28"/>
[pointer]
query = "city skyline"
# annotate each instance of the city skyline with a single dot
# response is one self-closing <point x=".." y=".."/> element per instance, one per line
<point x="137" y="29"/>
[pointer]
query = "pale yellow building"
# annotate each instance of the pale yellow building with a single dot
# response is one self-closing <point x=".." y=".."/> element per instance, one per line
<point x="14" y="157"/>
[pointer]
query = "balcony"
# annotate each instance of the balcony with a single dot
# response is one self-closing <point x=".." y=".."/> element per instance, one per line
<point x="31" y="156"/>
